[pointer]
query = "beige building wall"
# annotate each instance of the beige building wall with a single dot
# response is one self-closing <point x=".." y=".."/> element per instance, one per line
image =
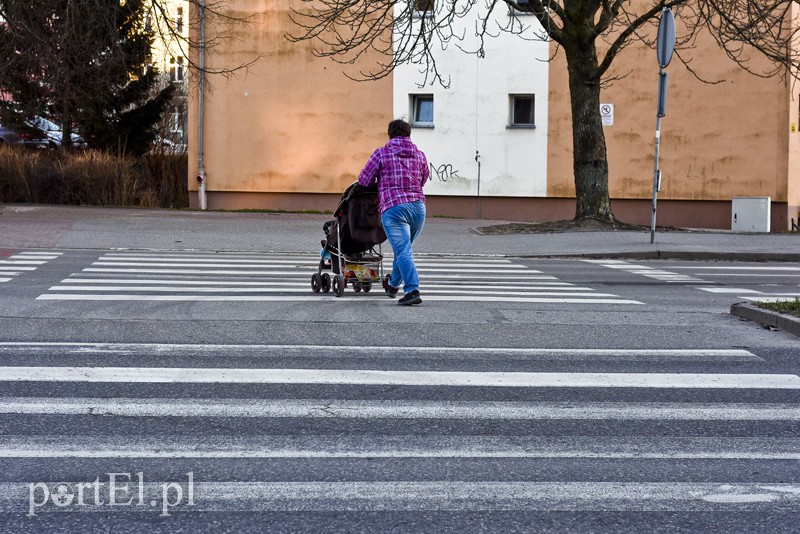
<point x="290" y="124"/>
<point x="730" y="138"/>
<point x="292" y="132"/>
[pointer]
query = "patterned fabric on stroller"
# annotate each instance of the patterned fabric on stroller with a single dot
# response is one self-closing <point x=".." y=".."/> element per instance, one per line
<point x="348" y="250"/>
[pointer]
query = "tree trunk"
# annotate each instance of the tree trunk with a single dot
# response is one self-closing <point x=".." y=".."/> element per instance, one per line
<point x="589" y="159"/>
<point x="66" y="126"/>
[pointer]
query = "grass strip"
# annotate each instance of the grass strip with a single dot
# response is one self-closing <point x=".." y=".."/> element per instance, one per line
<point x="789" y="307"/>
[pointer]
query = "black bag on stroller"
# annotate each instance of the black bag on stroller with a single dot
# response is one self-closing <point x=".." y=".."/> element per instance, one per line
<point x="350" y="242"/>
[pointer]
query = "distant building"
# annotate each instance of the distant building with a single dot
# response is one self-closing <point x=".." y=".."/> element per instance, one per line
<point x="170" y="56"/>
<point x="294" y="132"/>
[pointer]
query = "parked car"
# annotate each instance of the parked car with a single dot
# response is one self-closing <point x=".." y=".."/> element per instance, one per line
<point x="12" y="137"/>
<point x="54" y="134"/>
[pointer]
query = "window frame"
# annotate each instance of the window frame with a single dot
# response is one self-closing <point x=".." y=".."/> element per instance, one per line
<point x="512" y="100"/>
<point x="415" y="100"/>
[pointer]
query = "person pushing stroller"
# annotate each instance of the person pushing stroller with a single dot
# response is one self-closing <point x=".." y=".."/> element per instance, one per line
<point x="400" y="170"/>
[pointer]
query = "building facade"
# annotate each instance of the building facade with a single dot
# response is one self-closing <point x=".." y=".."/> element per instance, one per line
<point x="170" y="55"/>
<point x="292" y="131"/>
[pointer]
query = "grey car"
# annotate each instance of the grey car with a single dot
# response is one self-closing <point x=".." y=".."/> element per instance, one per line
<point x="9" y="136"/>
<point x="54" y="133"/>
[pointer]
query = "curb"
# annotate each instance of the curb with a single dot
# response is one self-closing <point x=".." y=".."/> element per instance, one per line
<point x="670" y="255"/>
<point x="695" y="255"/>
<point x="767" y="318"/>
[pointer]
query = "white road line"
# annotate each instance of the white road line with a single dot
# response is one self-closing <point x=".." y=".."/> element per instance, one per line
<point x="339" y="350"/>
<point x="301" y="274"/>
<point x="726" y="290"/>
<point x="173" y="375"/>
<point x="625" y="266"/>
<point x="5" y="280"/>
<point x="283" y="257"/>
<point x="35" y="253"/>
<point x="223" y="284"/>
<point x="78" y="278"/>
<point x="736" y="268"/>
<point x="280" y="269"/>
<point x="161" y="261"/>
<point x="17" y="268"/>
<point x="401" y="409"/>
<point x="543" y="286"/>
<point x="13" y="261"/>
<point x="428" y="290"/>
<point x="452" y="496"/>
<point x="289" y="447"/>
<point x="322" y="298"/>
<point x="649" y="272"/>
<point x="752" y="275"/>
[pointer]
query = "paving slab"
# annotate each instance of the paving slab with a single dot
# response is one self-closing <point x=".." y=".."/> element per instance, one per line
<point x="89" y="227"/>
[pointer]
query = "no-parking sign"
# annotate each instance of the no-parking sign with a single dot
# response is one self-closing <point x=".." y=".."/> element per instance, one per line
<point x="607" y="114"/>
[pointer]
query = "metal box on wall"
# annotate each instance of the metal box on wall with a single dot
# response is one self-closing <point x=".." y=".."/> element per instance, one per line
<point x="751" y="214"/>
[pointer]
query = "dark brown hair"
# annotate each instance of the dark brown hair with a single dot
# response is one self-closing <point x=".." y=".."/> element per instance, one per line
<point x="399" y="128"/>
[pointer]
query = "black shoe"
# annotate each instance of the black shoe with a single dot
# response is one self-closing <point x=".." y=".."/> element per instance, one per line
<point x="390" y="290"/>
<point x="410" y="299"/>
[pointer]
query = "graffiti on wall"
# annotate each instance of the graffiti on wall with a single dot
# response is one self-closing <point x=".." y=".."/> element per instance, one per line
<point x="444" y="172"/>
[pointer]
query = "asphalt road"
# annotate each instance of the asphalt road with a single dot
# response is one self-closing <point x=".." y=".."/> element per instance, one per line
<point x="546" y="395"/>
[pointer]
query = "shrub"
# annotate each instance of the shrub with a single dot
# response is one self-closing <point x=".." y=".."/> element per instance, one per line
<point x="93" y="178"/>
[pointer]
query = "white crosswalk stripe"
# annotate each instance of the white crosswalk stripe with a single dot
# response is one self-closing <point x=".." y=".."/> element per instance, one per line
<point x="650" y="272"/>
<point x="223" y="277"/>
<point x="399" y="488"/>
<point x="22" y="262"/>
<point x="741" y="272"/>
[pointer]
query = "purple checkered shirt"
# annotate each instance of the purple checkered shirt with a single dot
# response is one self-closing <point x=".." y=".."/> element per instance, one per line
<point x="401" y="170"/>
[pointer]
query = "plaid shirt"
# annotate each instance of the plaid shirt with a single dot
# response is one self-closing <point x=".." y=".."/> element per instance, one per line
<point x="400" y="169"/>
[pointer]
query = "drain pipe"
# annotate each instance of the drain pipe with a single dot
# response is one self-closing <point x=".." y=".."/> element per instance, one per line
<point x="201" y="171"/>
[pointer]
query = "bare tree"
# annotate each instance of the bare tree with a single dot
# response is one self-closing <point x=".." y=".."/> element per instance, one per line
<point x="70" y="58"/>
<point x="591" y="34"/>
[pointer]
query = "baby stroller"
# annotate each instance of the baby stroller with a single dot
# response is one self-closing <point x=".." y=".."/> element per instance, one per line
<point x="348" y="249"/>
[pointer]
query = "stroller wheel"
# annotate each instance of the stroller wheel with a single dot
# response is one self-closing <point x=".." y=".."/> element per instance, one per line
<point x="316" y="282"/>
<point x="366" y="287"/>
<point x="338" y="285"/>
<point x="385" y="282"/>
<point x="326" y="282"/>
<point x="357" y="287"/>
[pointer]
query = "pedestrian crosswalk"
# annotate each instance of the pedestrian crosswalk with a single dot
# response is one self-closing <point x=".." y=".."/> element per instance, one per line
<point x="18" y="263"/>
<point x="661" y="275"/>
<point x="426" y="431"/>
<point x="229" y="277"/>
<point x="704" y="277"/>
<point x="755" y="276"/>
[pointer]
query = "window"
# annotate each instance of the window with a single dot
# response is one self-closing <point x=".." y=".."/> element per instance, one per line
<point x="424" y="8"/>
<point x="522" y="111"/>
<point x="176" y="70"/>
<point x="422" y="110"/>
<point x="176" y="122"/>
<point x="179" y="20"/>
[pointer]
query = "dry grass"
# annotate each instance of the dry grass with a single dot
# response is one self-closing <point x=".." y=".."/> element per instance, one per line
<point x="92" y="178"/>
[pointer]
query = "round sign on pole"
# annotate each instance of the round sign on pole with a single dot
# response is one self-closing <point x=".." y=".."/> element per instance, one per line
<point x="665" y="42"/>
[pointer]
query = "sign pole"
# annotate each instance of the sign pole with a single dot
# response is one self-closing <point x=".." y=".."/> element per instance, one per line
<point x="662" y="85"/>
<point x="665" y="46"/>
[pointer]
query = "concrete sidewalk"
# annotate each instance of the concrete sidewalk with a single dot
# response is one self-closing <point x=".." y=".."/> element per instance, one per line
<point x="72" y="227"/>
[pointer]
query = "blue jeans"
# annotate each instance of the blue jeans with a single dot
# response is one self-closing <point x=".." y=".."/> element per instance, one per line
<point x="402" y="224"/>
